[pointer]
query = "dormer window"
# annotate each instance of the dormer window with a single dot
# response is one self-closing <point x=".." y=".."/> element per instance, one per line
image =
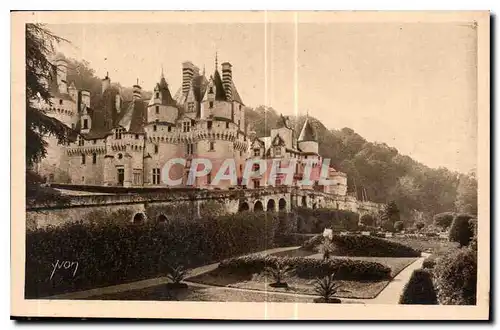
<point x="211" y="104"/>
<point x="277" y="151"/>
<point x="157" y="109"/>
<point x="157" y="95"/>
<point x="210" y="90"/>
<point x="118" y="133"/>
<point x="186" y="126"/>
<point x="256" y="152"/>
<point x="190" y="106"/>
<point x="72" y="126"/>
<point x="85" y="124"/>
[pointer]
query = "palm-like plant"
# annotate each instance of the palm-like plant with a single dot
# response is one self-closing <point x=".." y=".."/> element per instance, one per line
<point x="326" y="287"/>
<point x="278" y="271"/>
<point x="176" y="274"/>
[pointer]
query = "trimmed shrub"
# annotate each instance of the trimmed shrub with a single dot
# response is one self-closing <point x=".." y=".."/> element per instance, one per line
<point x="313" y="243"/>
<point x="419" y="290"/>
<point x="429" y="263"/>
<point x="398" y="225"/>
<point x="444" y="219"/>
<point x="316" y="220"/>
<point x="351" y="245"/>
<point x="461" y="230"/>
<point x="456" y="277"/>
<point x="344" y="269"/>
<point x="368" y="220"/>
<point x="420" y="225"/>
<point x="114" y="253"/>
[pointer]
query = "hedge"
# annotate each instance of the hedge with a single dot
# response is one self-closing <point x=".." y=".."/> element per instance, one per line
<point x="461" y="230"/>
<point x="456" y="277"/>
<point x="367" y="246"/>
<point x="116" y="253"/>
<point x="344" y="269"/>
<point x="311" y="221"/>
<point x="419" y="290"/>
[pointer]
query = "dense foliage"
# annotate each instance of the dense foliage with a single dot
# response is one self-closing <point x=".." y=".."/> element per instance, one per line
<point x="461" y="230"/>
<point x="419" y="290"/>
<point x="355" y="245"/>
<point x="456" y="277"/>
<point x="344" y="269"/>
<point x="113" y="253"/>
<point x="444" y="220"/>
<point x="368" y="219"/>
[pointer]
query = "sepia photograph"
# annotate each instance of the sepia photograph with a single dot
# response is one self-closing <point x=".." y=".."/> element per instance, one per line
<point x="256" y="165"/>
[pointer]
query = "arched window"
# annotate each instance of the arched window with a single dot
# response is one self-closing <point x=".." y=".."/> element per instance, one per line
<point x="139" y="218"/>
<point x="271" y="205"/>
<point x="258" y="206"/>
<point x="282" y="204"/>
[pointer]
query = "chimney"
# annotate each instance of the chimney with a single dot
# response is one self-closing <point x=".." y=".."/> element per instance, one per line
<point x="105" y="83"/>
<point x="189" y="70"/>
<point x="62" y="71"/>
<point x="85" y="98"/>
<point x="227" y="80"/>
<point x="136" y="93"/>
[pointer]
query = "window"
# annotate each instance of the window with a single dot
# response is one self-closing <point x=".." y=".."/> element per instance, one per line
<point x="81" y="142"/>
<point x="277" y="151"/>
<point x="211" y="90"/>
<point x="94" y="141"/>
<point x="156" y="176"/>
<point x="186" y="126"/>
<point x="94" y="158"/>
<point x="209" y="178"/>
<point x="118" y="133"/>
<point x="169" y="128"/>
<point x="137" y="136"/>
<point x="157" y="96"/>
<point x="256" y="152"/>
<point x="227" y="124"/>
<point x="120" y="156"/>
<point x="157" y="109"/>
<point x="209" y="124"/>
<point x="240" y="106"/>
<point x="212" y="146"/>
<point x="154" y="128"/>
<point x="60" y="102"/>
<point x="83" y="159"/>
<point x="255" y="167"/>
<point x="85" y="124"/>
<point x="137" y="177"/>
<point x="156" y="148"/>
<point x="72" y="126"/>
<point x="256" y="184"/>
<point x="189" y="148"/>
<point x="190" y="106"/>
<point x="211" y="104"/>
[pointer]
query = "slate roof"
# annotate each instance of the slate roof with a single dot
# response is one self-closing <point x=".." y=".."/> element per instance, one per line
<point x="307" y="133"/>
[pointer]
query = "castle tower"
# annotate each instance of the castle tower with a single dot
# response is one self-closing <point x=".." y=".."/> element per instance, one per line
<point x="73" y="93"/>
<point x="307" y="138"/>
<point x="106" y="82"/>
<point x="189" y="70"/>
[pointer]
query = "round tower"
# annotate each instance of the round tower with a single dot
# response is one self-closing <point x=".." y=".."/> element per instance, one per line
<point x="307" y="139"/>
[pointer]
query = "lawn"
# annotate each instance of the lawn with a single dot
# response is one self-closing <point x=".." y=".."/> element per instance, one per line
<point x="430" y="245"/>
<point x="193" y="293"/>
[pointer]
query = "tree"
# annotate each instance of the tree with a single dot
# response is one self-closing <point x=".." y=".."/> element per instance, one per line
<point x="391" y="212"/>
<point x="444" y="219"/>
<point x="419" y="290"/>
<point x="39" y="71"/>
<point x="461" y="230"/>
<point x="467" y="194"/>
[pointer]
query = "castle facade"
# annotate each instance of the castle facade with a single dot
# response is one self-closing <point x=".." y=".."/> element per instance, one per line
<point x="127" y="142"/>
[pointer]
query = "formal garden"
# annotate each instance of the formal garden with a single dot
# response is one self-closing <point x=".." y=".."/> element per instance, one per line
<point x="278" y="257"/>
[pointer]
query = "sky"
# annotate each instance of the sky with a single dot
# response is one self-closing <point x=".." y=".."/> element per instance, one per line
<point x="410" y="85"/>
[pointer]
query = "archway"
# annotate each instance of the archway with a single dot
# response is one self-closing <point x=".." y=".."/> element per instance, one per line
<point x="258" y="207"/>
<point x="162" y="218"/>
<point x="304" y="201"/>
<point x="282" y="204"/>
<point x="271" y="205"/>
<point x="243" y="207"/>
<point x="139" y="218"/>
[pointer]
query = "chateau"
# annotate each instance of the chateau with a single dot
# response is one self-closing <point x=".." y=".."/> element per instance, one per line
<point x="127" y="142"/>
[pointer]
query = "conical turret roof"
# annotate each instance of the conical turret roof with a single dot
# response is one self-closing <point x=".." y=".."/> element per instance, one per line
<point x="307" y="133"/>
